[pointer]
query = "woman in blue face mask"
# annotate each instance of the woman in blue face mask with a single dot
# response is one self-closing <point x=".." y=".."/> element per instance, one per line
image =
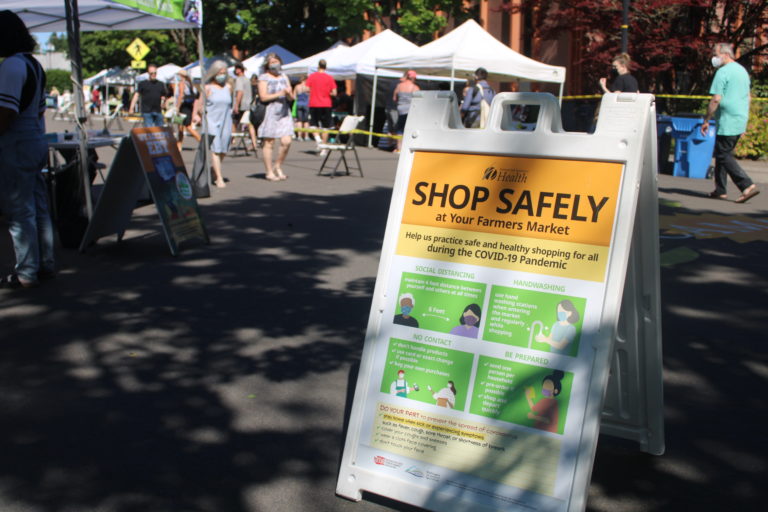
<point x="563" y="331"/>
<point x="468" y="322"/>
<point x="218" y="116"/>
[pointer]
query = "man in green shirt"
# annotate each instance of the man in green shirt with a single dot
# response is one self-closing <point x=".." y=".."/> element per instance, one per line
<point x="730" y="106"/>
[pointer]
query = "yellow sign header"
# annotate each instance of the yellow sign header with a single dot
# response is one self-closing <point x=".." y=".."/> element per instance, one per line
<point x="558" y="200"/>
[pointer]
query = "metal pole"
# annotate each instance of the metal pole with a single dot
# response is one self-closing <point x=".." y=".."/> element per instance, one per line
<point x="73" y="37"/>
<point x="206" y="151"/>
<point x="625" y="26"/>
<point x="373" y="108"/>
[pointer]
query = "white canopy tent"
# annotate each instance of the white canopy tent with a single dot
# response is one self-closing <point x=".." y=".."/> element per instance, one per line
<point x="345" y="63"/>
<point x="51" y="16"/>
<point x="165" y="73"/>
<point x="464" y="49"/>
<point x="468" y="47"/>
<point x="74" y="16"/>
<point x="253" y="64"/>
<point x="309" y="64"/>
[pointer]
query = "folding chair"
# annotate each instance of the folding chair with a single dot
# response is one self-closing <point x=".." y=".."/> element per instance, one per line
<point x="240" y="138"/>
<point x="347" y="125"/>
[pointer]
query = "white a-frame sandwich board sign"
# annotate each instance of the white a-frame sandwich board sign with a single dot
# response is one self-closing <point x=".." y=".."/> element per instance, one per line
<point x="148" y="160"/>
<point x="496" y="308"/>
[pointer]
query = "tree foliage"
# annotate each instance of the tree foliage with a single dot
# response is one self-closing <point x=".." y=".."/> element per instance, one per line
<point x="669" y="40"/>
<point x="302" y="26"/>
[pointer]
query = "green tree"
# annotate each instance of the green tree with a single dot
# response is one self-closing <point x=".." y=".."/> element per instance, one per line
<point x="417" y="20"/>
<point x="58" y="43"/>
<point x="59" y="78"/>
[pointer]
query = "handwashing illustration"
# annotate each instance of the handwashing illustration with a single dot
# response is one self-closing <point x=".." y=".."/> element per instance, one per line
<point x="563" y="331"/>
<point x="532" y="330"/>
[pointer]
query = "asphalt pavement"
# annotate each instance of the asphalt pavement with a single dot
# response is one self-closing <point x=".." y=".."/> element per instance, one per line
<point x="220" y="380"/>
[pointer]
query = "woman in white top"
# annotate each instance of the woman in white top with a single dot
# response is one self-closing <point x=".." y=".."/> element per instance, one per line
<point x="446" y="397"/>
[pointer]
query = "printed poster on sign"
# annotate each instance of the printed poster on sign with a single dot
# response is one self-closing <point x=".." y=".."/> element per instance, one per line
<point x="482" y="359"/>
<point x="169" y="184"/>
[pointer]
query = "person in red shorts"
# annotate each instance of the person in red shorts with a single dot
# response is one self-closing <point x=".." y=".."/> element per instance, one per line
<point x="322" y="87"/>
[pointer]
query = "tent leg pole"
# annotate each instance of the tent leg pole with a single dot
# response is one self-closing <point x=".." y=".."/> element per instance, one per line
<point x="206" y="148"/>
<point x="373" y="108"/>
<point x="73" y="36"/>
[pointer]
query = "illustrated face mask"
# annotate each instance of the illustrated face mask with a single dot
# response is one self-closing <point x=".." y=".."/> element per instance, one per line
<point x="547" y="393"/>
<point x="562" y="315"/>
<point x="406" y="310"/>
<point x="470" y="319"/>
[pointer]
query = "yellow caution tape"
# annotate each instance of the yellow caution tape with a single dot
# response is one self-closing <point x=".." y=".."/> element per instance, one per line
<point x="335" y="132"/>
<point x="672" y="96"/>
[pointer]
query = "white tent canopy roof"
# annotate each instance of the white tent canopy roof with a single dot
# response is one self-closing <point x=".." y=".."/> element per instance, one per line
<point x="165" y="73"/>
<point x="50" y="16"/>
<point x="360" y="59"/>
<point x="468" y="47"/>
<point x="253" y="64"/>
<point x="309" y="65"/>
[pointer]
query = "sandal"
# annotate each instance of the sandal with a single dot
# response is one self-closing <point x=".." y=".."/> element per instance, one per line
<point x="269" y="177"/>
<point x="220" y="183"/>
<point x="280" y="175"/>
<point x="748" y="193"/>
<point x="13" y="282"/>
<point x="715" y="195"/>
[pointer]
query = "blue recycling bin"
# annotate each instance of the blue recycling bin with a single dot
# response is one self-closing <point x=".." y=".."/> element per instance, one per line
<point x="693" y="151"/>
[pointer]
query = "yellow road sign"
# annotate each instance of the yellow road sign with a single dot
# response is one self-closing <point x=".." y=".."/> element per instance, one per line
<point x="137" y="49"/>
<point x="139" y="64"/>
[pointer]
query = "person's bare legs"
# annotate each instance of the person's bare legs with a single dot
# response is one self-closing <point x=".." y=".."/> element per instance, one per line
<point x="266" y="153"/>
<point x="216" y="159"/>
<point x="285" y="145"/>
<point x="254" y="140"/>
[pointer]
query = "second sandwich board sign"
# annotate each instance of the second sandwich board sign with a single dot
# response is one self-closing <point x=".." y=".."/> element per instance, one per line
<point x="490" y="335"/>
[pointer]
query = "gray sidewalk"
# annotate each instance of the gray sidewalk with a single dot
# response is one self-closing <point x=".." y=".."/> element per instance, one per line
<point x="221" y="380"/>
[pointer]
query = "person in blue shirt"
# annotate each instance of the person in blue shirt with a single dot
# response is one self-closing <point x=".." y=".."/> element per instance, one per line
<point x="23" y="155"/>
<point x="730" y="106"/>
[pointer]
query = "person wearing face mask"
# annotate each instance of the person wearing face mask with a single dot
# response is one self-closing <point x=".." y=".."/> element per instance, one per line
<point x="730" y="105"/>
<point x="218" y="116"/>
<point x="468" y="322"/>
<point x="275" y="90"/>
<point x="153" y="94"/>
<point x="624" y="81"/>
<point x="545" y="413"/>
<point x="563" y="332"/>
<point x="407" y="302"/>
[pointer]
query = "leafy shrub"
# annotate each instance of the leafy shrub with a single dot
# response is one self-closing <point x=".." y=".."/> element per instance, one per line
<point x="754" y="143"/>
<point x="59" y="78"/>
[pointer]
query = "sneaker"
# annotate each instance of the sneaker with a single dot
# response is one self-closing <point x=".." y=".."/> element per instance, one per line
<point x="323" y="152"/>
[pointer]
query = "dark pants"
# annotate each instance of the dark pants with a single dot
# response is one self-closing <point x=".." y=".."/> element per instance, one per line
<point x="726" y="165"/>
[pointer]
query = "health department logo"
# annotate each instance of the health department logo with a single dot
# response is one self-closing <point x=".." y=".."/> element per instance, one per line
<point x="490" y="173"/>
<point x="415" y="471"/>
<point x="383" y="461"/>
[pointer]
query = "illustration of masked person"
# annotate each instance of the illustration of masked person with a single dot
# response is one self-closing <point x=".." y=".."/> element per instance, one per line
<point x="399" y="387"/>
<point x="545" y="412"/>
<point x="407" y="303"/>
<point x="563" y="331"/>
<point x="468" y="322"/>
<point x="446" y="397"/>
